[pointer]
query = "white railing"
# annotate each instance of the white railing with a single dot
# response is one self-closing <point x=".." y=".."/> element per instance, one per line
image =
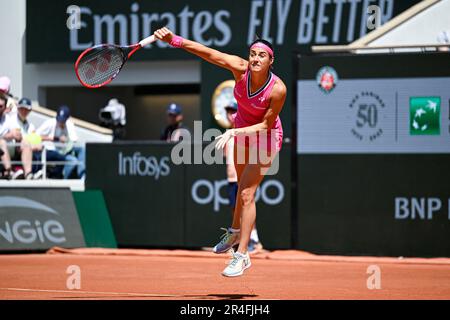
<point x="44" y="162"/>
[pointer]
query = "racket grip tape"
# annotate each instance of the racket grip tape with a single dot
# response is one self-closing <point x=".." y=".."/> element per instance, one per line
<point x="147" y="41"/>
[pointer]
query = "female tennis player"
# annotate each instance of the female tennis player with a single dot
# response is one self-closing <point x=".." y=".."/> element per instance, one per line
<point x="260" y="95"/>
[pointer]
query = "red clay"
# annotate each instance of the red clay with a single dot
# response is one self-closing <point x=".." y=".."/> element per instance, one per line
<point x="158" y="274"/>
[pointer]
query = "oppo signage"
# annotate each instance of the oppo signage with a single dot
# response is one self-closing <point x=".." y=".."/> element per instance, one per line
<point x="204" y="192"/>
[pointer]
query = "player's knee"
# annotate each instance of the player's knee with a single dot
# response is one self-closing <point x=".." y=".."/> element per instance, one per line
<point x="247" y="196"/>
<point x="2" y="143"/>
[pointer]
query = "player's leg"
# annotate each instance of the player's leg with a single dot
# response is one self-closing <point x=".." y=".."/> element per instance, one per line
<point x="249" y="181"/>
<point x="232" y="235"/>
<point x="240" y="158"/>
<point x="236" y="216"/>
<point x="236" y="213"/>
<point x="245" y="204"/>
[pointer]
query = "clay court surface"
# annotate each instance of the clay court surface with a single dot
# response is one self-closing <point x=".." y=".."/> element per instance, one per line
<point x="180" y="274"/>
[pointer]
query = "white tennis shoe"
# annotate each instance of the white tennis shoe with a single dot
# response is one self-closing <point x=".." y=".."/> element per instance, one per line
<point x="237" y="265"/>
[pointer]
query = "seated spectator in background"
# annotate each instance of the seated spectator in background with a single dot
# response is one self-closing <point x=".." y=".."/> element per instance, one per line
<point x="58" y="136"/>
<point x="174" y="119"/>
<point x="5" y="86"/>
<point x="4" y="129"/>
<point x="113" y="116"/>
<point x="15" y="128"/>
<point x="24" y="130"/>
<point x="444" y="38"/>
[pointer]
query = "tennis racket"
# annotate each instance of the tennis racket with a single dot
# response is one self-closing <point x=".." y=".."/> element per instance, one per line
<point x="99" y="65"/>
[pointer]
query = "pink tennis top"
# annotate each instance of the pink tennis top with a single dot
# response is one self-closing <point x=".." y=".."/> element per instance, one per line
<point x="252" y="108"/>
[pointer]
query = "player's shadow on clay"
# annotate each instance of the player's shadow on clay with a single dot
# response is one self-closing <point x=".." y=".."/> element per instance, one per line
<point x="191" y="296"/>
<point x="231" y="296"/>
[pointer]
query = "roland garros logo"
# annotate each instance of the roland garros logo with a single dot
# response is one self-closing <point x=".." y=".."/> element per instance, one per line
<point x="327" y="79"/>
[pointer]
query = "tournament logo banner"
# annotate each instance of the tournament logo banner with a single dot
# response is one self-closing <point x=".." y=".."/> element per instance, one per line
<point x="381" y="103"/>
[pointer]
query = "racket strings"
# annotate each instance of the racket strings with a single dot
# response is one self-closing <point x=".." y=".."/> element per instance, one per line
<point x="101" y="65"/>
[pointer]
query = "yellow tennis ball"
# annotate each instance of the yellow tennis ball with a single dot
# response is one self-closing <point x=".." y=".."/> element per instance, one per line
<point x="33" y="138"/>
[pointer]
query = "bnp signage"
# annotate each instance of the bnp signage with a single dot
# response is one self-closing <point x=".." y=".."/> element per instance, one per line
<point x="425" y="114"/>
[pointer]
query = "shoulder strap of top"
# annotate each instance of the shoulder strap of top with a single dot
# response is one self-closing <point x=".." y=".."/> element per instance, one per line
<point x="270" y="86"/>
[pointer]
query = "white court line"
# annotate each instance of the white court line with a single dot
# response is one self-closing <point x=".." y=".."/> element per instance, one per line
<point x="92" y="292"/>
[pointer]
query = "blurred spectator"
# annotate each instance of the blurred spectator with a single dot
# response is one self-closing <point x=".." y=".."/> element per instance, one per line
<point x="5" y="86"/>
<point x="113" y="116"/>
<point x="175" y="122"/>
<point x="22" y="130"/>
<point x="13" y="130"/>
<point x="59" y="136"/>
<point x="444" y="38"/>
<point x="4" y="129"/>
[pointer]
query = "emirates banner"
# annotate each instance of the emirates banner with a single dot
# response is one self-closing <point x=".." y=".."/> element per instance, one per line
<point x="57" y="31"/>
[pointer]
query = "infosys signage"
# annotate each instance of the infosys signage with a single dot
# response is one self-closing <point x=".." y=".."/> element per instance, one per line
<point x="154" y="202"/>
<point x="38" y="219"/>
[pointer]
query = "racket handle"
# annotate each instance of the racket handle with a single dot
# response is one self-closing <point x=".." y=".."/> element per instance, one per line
<point x="147" y="41"/>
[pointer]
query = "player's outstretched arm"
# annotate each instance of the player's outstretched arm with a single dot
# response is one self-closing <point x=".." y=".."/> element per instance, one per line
<point x="233" y="63"/>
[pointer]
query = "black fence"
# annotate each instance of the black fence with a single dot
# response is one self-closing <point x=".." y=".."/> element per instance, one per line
<point x="153" y="202"/>
<point x="372" y="148"/>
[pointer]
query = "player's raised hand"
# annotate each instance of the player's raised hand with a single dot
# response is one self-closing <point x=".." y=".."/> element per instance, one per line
<point x="164" y="34"/>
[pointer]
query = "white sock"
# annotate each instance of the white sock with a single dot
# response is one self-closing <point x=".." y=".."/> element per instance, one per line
<point x="234" y="230"/>
<point x="254" y="235"/>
